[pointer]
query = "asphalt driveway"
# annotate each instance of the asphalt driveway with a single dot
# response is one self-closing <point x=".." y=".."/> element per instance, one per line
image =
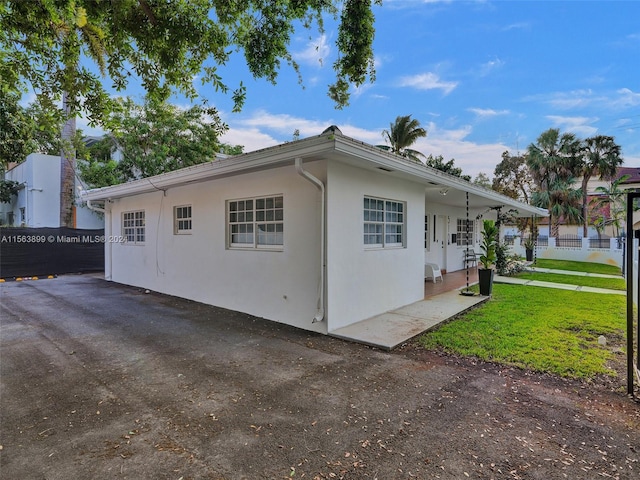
<point x="103" y="381"/>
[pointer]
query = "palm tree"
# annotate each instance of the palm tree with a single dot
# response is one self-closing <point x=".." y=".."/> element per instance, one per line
<point x="553" y="162"/>
<point x="615" y="198"/>
<point x="562" y="201"/>
<point x="601" y="156"/>
<point x="403" y="133"/>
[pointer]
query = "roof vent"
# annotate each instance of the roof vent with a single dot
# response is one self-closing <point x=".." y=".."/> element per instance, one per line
<point x="333" y="129"/>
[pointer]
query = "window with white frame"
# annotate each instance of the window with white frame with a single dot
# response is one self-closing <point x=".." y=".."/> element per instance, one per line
<point x="256" y="222"/>
<point x="384" y="223"/>
<point x="133" y="227"/>
<point x="464" y="232"/>
<point x="182" y="219"/>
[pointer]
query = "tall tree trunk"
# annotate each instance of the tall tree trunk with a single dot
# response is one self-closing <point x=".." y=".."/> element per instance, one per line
<point x="554" y="226"/>
<point x="67" y="167"/>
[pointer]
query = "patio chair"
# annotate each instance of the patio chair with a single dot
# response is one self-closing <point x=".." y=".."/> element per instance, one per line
<point x="432" y="270"/>
<point x="470" y="258"/>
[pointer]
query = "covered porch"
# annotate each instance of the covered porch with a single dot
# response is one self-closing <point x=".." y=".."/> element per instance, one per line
<point x="442" y="301"/>
<point x="450" y="281"/>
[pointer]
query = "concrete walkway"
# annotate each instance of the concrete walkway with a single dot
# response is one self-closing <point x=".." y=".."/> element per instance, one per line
<point x="562" y="286"/>
<point x="570" y="272"/>
<point x="391" y="329"/>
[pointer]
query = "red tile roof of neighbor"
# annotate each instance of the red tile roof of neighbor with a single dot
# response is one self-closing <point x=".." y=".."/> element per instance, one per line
<point x="633" y="172"/>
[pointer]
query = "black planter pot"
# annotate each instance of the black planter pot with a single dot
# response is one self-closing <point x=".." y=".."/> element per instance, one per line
<point x="485" y="281"/>
<point x="529" y="254"/>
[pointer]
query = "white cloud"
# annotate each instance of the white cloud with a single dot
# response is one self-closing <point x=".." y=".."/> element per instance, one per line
<point x="487" y="112"/>
<point x="250" y="138"/>
<point x="627" y="98"/>
<point x="284" y="124"/>
<point x="379" y="61"/>
<point x="450" y="143"/>
<point x="358" y="91"/>
<point x="315" y="53"/>
<point x="517" y="26"/>
<point x="470" y="156"/>
<point x="427" y="81"/>
<point x="578" y="125"/>
<point x="490" y="66"/>
<point x="564" y="100"/>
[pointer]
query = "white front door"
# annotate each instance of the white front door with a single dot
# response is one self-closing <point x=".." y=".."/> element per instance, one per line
<point x="435" y="242"/>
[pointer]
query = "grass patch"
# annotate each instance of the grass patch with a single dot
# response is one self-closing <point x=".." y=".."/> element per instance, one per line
<point x="598" y="282"/>
<point x="578" y="266"/>
<point x="542" y="329"/>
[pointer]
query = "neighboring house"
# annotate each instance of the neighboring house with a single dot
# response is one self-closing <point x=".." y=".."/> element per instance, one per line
<point x="37" y="203"/>
<point x="632" y="183"/>
<point x="317" y="233"/>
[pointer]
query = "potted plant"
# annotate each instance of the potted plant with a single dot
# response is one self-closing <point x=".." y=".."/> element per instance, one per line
<point x="528" y="247"/>
<point x="487" y="257"/>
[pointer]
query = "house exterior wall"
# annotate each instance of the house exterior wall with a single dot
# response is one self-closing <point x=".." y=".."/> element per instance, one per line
<point x="454" y="254"/>
<point x="277" y="285"/>
<point x="363" y="282"/>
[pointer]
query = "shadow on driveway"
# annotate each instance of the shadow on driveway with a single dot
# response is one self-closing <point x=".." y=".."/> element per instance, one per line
<point x="103" y="381"/>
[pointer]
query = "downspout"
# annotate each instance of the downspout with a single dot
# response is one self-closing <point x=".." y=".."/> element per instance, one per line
<point x="108" y="243"/>
<point x="93" y="208"/>
<point x="318" y="183"/>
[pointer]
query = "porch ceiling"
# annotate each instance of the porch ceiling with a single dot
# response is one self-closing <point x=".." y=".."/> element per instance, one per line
<point x="457" y="198"/>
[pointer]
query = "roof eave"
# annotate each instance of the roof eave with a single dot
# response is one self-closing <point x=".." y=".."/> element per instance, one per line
<point x="253" y="161"/>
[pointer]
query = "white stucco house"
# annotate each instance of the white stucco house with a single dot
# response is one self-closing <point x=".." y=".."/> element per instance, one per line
<point x="318" y="233"/>
<point x="37" y="203"/>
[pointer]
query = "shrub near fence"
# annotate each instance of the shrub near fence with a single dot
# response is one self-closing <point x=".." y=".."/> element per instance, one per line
<point x="26" y="252"/>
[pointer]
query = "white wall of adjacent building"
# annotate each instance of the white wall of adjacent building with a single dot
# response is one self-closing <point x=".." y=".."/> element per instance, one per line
<point x="38" y="201"/>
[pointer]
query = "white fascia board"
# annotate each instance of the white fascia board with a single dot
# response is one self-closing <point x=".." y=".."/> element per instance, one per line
<point x="253" y="161"/>
<point x="420" y="172"/>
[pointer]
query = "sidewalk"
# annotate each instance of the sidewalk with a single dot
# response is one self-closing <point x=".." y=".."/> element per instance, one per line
<point x="562" y="286"/>
<point x="570" y="272"/>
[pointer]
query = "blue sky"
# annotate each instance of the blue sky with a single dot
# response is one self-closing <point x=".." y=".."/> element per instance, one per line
<point x="481" y="76"/>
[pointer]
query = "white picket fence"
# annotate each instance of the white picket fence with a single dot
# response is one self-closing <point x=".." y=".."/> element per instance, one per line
<point x="603" y="250"/>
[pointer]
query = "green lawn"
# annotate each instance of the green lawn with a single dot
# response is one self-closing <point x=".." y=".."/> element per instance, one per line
<point x="578" y="266"/>
<point x="541" y="329"/>
<point x="610" y="283"/>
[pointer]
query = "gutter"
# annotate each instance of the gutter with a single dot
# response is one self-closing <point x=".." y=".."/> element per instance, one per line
<point x="318" y="183"/>
<point x="93" y="208"/>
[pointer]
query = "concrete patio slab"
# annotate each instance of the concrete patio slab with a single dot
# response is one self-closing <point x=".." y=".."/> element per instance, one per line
<point x="391" y="329"/>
